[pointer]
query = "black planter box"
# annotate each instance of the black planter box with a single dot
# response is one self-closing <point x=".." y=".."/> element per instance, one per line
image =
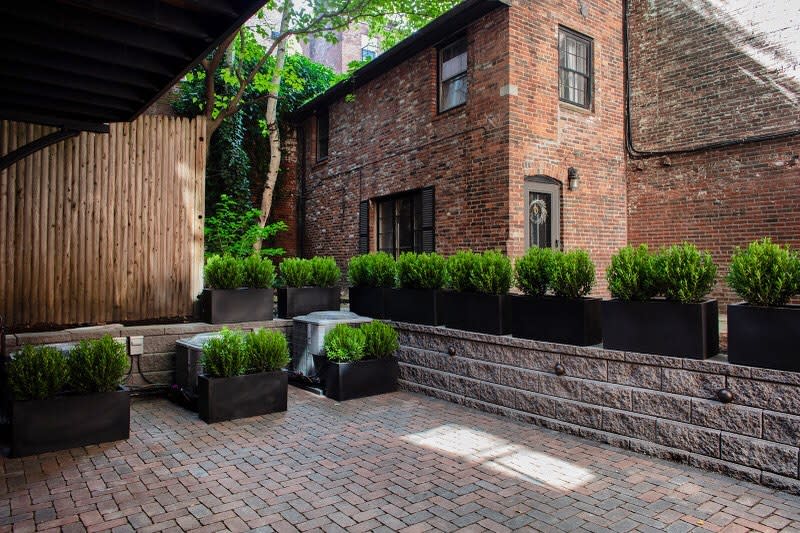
<point x="345" y="381"/>
<point x="69" y="421"/>
<point x="662" y="327"/>
<point x="553" y="319"/>
<point x="368" y="301"/>
<point x="474" y="311"/>
<point x="417" y="306"/>
<point x="244" y="396"/>
<point x="766" y="337"/>
<point x="221" y="306"/>
<point x="296" y="301"/>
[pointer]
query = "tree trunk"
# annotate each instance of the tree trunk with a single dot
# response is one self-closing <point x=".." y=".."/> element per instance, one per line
<point x="271" y="117"/>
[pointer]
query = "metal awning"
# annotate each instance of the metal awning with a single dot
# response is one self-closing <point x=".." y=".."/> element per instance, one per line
<point x="80" y="64"/>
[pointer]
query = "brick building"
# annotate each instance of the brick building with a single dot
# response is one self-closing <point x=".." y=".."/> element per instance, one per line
<point x="466" y="135"/>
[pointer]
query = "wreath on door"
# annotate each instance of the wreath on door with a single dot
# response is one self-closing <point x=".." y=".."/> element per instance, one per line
<point x="538" y="211"/>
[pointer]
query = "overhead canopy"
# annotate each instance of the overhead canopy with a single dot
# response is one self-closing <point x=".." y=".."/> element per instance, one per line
<point x="79" y="64"/>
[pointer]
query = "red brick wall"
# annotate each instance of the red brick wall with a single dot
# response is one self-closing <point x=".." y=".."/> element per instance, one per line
<point x="284" y="203"/>
<point x="390" y="139"/>
<point x="549" y="136"/>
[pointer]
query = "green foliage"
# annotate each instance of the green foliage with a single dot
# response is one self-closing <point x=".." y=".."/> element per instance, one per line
<point x="493" y="273"/>
<point x="460" y="269"/>
<point x="266" y="350"/>
<point x="684" y="273"/>
<point x="572" y="274"/>
<point x="223" y="272"/>
<point x="37" y="372"/>
<point x="97" y="365"/>
<point x="234" y="229"/>
<point x="324" y="272"/>
<point x="632" y="274"/>
<point x="258" y="273"/>
<point x="344" y="344"/>
<point x="404" y="18"/>
<point x="765" y="273"/>
<point x="534" y="270"/>
<point x="225" y="356"/>
<point x="296" y="272"/>
<point x="421" y="271"/>
<point x="372" y="270"/>
<point x="380" y="340"/>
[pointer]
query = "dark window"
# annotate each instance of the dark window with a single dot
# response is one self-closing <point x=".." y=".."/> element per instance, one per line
<point x="453" y="75"/>
<point x="574" y="68"/>
<point x="405" y="223"/>
<point x="322" y="135"/>
<point x="368" y="54"/>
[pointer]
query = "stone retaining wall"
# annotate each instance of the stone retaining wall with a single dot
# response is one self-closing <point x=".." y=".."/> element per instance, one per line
<point x="153" y="347"/>
<point x="661" y="406"/>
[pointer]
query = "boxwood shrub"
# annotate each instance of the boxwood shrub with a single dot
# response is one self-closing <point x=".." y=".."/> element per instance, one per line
<point x="266" y="350"/>
<point x="372" y="270"/>
<point x="225" y="356"/>
<point x="765" y="273"/>
<point x="684" y="273"/>
<point x="324" y="272"/>
<point x="380" y="340"/>
<point x="258" y="273"/>
<point x="534" y="270"/>
<point x="421" y="271"/>
<point x="97" y="365"/>
<point x="344" y="344"/>
<point x="296" y="272"/>
<point x="37" y="373"/>
<point x="632" y="274"/>
<point x="223" y="272"/>
<point x="492" y="273"/>
<point x="460" y="268"/>
<point x="572" y="274"/>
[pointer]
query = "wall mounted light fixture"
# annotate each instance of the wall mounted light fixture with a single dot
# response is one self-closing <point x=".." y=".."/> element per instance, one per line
<point x="572" y="177"/>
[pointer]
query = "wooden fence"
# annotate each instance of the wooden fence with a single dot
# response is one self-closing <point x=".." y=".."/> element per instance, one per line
<point x="103" y="227"/>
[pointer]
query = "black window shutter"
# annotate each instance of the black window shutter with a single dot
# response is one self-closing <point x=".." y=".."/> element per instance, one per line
<point x="363" y="227"/>
<point x="428" y="220"/>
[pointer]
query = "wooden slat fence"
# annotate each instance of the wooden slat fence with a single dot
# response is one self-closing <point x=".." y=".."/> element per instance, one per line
<point x="103" y="227"/>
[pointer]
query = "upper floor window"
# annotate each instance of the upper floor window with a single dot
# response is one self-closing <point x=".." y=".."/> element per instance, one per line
<point x="368" y="54"/>
<point x="322" y="135"/>
<point x="574" y="68"/>
<point x="453" y="75"/>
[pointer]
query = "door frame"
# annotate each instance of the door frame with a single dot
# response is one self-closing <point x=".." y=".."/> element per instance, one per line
<point x="545" y="185"/>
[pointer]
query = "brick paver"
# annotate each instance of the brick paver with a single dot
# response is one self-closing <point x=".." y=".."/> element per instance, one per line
<point x="399" y="462"/>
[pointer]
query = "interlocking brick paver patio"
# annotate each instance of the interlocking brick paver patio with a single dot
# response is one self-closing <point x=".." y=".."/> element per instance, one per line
<point x="395" y="462"/>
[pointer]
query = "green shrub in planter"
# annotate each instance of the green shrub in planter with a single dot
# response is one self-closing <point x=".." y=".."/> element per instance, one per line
<point x="97" y="365"/>
<point x="372" y="270"/>
<point x="297" y="272"/>
<point x="533" y="271"/>
<point x="223" y="272"/>
<point x="572" y="274"/>
<point x="225" y="356"/>
<point x="345" y="344"/>
<point x="324" y="272"/>
<point x="421" y="271"/>
<point x="492" y="273"/>
<point x="684" y="273"/>
<point x="460" y="268"/>
<point x="380" y="340"/>
<point x="37" y="373"/>
<point x="266" y="350"/>
<point x="258" y="273"/>
<point x="632" y="274"/>
<point x="765" y="273"/>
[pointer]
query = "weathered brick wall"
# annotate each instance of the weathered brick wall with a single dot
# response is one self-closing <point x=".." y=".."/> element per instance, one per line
<point x="287" y="191"/>
<point x="549" y="136"/>
<point x="390" y="139"/>
<point x="661" y="406"/>
<point x="705" y="72"/>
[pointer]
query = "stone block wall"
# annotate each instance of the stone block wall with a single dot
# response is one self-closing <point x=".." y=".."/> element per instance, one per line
<point x="661" y="406"/>
<point x="151" y="347"/>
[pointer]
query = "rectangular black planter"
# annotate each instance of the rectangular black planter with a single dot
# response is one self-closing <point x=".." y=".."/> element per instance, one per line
<point x="417" y="306"/>
<point x="662" y="327"/>
<point x="345" y="381"/>
<point x="221" y="306"/>
<point x="296" y="301"/>
<point x="553" y="319"/>
<point x="474" y="311"/>
<point x="368" y="301"/>
<point x="766" y="337"/>
<point x="222" y="399"/>
<point x="69" y="421"/>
